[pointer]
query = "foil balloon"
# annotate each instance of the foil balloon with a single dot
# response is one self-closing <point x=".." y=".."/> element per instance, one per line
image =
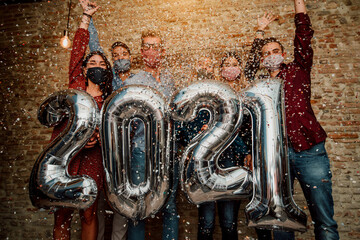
<point x="207" y="181"/>
<point x="137" y="201"/>
<point x="50" y="183"/>
<point x="272" y="205"/>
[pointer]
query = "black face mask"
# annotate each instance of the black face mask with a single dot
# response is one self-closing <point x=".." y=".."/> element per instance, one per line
<point x="96" y="75"/>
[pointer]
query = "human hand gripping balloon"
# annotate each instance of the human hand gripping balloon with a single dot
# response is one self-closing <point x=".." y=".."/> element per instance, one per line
<point x="93" y="140"/>
<point x="204" y="127"/>
<point x="248" y="162"/>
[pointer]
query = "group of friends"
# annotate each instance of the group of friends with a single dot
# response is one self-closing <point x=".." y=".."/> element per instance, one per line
<point x="308" y="159"/>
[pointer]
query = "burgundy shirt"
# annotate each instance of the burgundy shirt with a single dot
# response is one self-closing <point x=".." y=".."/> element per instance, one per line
<point x="303" y="130"/>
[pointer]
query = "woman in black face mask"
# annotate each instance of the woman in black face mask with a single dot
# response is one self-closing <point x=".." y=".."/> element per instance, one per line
<point x="98" y="74"/>
<point x="93" y="75"/>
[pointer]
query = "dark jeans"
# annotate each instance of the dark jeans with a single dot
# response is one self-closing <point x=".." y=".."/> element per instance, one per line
<point x="228" y="213"/>
<point x="312" y="168"/>
<point x="136" y="231"/>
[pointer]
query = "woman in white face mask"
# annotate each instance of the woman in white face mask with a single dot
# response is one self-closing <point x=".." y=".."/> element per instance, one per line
<point x="236" y="154"/>
<point x="230" y="70"/>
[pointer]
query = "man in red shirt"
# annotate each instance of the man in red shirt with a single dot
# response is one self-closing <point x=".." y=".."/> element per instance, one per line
<point x="308" y="159"/>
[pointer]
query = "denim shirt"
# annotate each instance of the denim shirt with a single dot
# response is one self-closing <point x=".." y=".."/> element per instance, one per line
<point x="94" y="45"/>
<point x="166" y="87"/>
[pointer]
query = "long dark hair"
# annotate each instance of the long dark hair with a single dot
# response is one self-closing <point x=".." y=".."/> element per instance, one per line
<point x="106" y="88"/>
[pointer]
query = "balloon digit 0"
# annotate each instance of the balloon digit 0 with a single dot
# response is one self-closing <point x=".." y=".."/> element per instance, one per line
<point x="119" y="110"/>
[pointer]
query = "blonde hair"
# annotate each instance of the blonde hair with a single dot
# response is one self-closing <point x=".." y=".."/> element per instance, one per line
<point x="151" y="33"/>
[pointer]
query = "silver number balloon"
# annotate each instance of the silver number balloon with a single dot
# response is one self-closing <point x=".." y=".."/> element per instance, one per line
<point x="208" y="181"/>
<point x="272" y="205"/>
<point x="136" y="102"/>
<point x="50" y="183"/>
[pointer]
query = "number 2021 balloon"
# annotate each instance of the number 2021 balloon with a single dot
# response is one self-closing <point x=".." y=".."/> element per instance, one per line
<point x="271" y="206"/>
<point x="50" y="183"/>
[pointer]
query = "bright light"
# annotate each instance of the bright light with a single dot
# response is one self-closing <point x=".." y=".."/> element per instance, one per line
<point x="65" y="41"/>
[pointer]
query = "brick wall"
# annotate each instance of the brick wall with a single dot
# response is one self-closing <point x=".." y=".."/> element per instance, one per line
<point x="33" y="65"/>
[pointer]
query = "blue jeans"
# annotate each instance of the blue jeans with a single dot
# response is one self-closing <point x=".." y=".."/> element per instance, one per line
<point x="228" y="213"/>
<point x="312" y="168"/>
<point x="136" y="230"/>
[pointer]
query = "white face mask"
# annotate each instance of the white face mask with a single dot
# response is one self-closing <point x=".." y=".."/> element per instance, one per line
<point x="273" y="62"/>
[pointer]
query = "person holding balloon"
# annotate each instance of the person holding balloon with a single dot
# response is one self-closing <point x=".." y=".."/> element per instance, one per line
<point x="93" y="75"/>
<point x="308" y="159"/>
<point x="156" y="76"/>
<point x="237" y="154"/>
<point x="121" y="59"/>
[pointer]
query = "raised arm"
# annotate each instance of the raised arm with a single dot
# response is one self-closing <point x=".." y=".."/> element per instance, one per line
<point x="94" y="43"/>
<point x="253" y="62"/>
<point x="300" y="6"/>
<point x="89" y="8"/>
<point x="81" y="40"/>
<point x="303" y="52"/>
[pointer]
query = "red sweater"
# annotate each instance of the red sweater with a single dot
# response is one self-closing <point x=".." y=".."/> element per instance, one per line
<point x="89" y="160"/>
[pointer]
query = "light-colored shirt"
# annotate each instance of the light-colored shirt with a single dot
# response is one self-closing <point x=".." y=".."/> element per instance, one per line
<point x="166" y="87"/>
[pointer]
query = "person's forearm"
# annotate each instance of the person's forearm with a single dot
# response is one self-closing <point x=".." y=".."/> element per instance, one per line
<point x="85" y="21"/>
<point x="260" y="34"/>
<point x="94" y="43"/>
<point x="299" y="6"/>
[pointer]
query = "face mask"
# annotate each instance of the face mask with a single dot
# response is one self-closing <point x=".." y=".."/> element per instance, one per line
<point x="203" y="74"/>
<point x="152" y="58"/>
<point x="122" y="65"/>
<point x="96" y="75"/>
<point x="231" y="73"/>
<point x="273" y="62"/>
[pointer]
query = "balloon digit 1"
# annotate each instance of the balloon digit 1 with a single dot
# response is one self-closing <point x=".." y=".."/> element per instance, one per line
<point x="119" y="111"/>
<point x="207" y="181"/>
<point x="50" y="183"/>
<point x="272" y="205"/>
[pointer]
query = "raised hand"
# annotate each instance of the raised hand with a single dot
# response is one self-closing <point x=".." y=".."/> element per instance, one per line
<point x="88" y="7"/>
<point x="265" y="20"/>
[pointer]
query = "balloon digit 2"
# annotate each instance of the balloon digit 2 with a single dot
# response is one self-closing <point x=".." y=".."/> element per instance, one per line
<point x="201" y="177"/>
<point x="50" y="183"/>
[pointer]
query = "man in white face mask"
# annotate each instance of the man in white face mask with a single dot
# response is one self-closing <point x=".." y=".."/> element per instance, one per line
<point x="273" y="57"/>
<point x="308" y="159"/>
